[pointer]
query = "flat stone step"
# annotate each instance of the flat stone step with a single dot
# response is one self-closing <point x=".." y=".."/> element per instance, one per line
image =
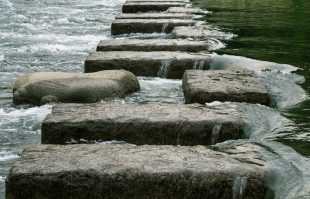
<point x="223" y="85"/>
<point x="201" y="32"/>
<point x="48" y="87"/>
<point x="175" y="124"/>
<point x="127" y="171"/>
<point x="128" y="26"/>
<point x="155" y="16"/>
<point x="187" y="1"/>
<point x="157" y="63"/>
<point x="135" y="7"/>
<point x="152" y="45"/>
<point x="189" y="10"/>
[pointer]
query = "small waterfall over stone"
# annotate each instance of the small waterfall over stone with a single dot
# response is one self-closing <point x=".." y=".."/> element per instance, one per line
<point x="239" y="186"/>
<point x="164" y="68"/>
<point x="199" y="64"/>
<point x="215" y="133"/>
<point x="164" y="28"/>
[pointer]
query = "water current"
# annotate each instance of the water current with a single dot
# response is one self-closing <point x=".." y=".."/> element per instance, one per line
<point x="42" y="35"/>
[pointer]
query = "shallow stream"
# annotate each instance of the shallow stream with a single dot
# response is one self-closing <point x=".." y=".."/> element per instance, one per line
<point x="42" y="35"/>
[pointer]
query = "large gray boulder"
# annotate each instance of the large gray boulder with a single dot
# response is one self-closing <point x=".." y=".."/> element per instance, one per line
<point x="47" y="87"/>
<point x="152" y="45"/>
<point x="156" y="63"/>
<point x="128" y="26"/>
<point x="223" y="85"/>
<point x="127" y="171"/>
<point x="136" y="7"/>
<point x="175" y="124"/>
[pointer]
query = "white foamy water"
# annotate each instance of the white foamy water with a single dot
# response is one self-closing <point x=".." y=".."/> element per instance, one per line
<point x="7" y="155"/>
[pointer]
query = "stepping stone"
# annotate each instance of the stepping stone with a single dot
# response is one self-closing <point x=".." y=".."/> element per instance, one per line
<point x="188" y="10"/>
<point x="128" y="26"/>
<point x="135" y="7"/>
<point x="198" y="32"/>
<point x="127" y="171"/>
<point x="172" y="124"/>
<point x="182" y="1"/>
<point x="155" y="16"/>
<point x="223" y="85"/>
<point x="157" y="63"/>
<point x="152" y="45"/>
<point x="48" y="87"/>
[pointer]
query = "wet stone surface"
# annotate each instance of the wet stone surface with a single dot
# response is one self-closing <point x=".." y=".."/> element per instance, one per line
<point x="49" y="87"/>
<point x="189" y="10"/>
<point x="157" y="63"/>
<point x="127" y="171"/>
<point x="135" y="7"/>
<point x="152" y="45"/>
<point x="223" y="85"/>
<point x="128" y="26"/>
<point x="194" y="32"/>
<point x="155" y="16"/>
<point x="175" y="124"/>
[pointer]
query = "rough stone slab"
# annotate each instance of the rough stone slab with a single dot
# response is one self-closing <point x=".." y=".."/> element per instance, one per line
<point x="155" y="16"/>
<point x="190" y="10"/>
<point x="126" y="171"/>
<point x="157" y="63"/>
<point x="47" y="87"/>
<point x="128" y="26"/>
<point x="157" y="1"/>
<point x="135" y="7"/>
<point x="174" y="124"/>
<point x="223" y="85"/>
<point x="152" y="45"/>
<point x="198" y="32"/>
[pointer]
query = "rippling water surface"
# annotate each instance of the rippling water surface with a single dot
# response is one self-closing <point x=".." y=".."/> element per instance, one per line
<point x="269" y="37"/>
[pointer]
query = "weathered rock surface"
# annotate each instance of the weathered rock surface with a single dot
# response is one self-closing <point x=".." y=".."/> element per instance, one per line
<point x="128" y="26"/>
<point x="157" y="1"/>
<point x="127" y="171"/>
<point x="174" y="124"/>
<point x="155" y="16"/>
<point x="152" y="45"/>
<point x="46" y="87"/>
<point x="223" y="85"/>
<point x="157" y="63"/>
<point x="195" y="32"/>
<point x="135" y="7"/>
<point x="189" y="10"/>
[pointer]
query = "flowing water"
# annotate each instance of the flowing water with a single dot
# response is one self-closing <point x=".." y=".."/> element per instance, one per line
<point x="42" y="35"/>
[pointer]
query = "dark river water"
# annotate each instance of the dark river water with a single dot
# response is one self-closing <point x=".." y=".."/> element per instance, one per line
<point x="43" y="35"/>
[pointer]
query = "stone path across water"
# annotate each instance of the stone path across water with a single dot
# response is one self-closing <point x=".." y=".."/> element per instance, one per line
<point x="147" y="171"/>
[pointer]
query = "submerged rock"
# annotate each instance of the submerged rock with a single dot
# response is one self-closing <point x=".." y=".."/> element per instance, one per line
<point x="128" y="26"/>
<point x="127" y="171"/>
<point x="47" y="87"/>
<point x="223" y="85"/>
<point x="175" y="124"/>
<point x="157" y="63"/>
